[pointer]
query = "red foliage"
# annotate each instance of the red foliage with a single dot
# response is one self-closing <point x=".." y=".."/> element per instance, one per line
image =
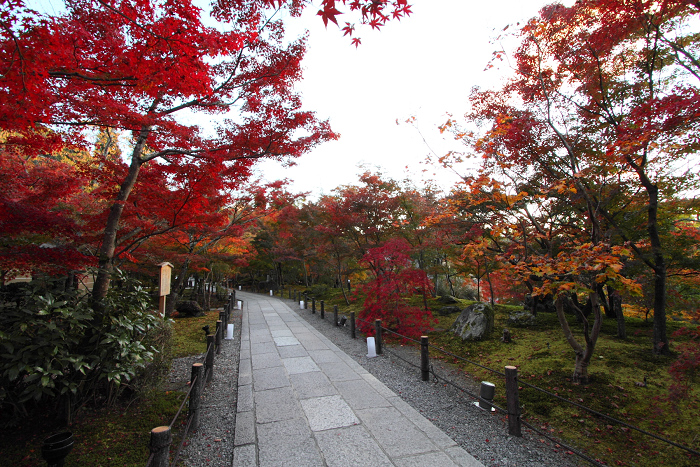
<point x="136" y="68"/>
<point x="40" y="231"/>
<point x="395" y="279"/>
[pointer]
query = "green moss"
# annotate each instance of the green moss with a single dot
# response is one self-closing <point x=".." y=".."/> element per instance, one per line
<point x="189" y="338"/>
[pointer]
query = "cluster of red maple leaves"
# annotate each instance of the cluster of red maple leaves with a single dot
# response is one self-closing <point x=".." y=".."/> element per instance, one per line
<point x="107" y="120"/>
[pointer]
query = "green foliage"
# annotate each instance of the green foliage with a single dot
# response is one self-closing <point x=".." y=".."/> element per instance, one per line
<point x="319" y="291"/>
<point x="57" y="352"/>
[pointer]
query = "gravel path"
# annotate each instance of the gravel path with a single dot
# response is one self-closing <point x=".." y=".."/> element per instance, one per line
<point x="212" y="443"/>
<point x="482" y="434"/>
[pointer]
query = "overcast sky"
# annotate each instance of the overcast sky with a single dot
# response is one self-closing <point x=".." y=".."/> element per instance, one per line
<point x="422" y="66"/>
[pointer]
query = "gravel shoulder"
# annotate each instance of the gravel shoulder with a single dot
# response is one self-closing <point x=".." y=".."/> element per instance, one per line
<point x="484" y="435"/>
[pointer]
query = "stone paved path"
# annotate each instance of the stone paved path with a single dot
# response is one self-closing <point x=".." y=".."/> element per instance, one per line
<point x="304" y="402"/>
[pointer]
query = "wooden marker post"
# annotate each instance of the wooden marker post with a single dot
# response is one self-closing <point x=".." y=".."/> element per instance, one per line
<point x="164" y="286"/>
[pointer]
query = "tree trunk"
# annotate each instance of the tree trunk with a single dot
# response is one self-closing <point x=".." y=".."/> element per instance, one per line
<point x="616" y="305"/>
<point x="580" y="369"/>
<point x="606" y="301"/>
<point x="488" y="280"/>
<point x="583" y="356"/>
<point x="660" y="337"/>
<point x="658" y="263"/>
<point x="176" y="288"/>
<point x="340" y="280"/>
<point x="306" y="275"/>
<point x="109" y="238"/>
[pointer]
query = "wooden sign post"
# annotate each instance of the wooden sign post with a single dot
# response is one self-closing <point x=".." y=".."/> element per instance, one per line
<point x="164" y="285"/>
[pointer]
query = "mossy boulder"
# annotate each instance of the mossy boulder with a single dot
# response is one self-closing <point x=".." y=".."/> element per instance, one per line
<point x="521" y="319"/>
<point x="475" y="322"/>
<point x="189" y="308"/>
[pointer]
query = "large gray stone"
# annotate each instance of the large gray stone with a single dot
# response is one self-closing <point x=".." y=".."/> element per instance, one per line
<point x="521" y="318"/>
<point x="475" y="322"/>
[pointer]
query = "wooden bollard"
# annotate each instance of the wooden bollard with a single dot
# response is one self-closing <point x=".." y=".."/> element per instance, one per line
<point x="222" y="318"/>
<point x="335" y="314"/>
<point x="378" y="335"/>
<point x="313" y="306"/>
<point x="218" y="335"/>
<point x="196" y="384"/>
<point x="323" y="309"/>
<point x="161" y="438"/>
<point x="352" y="325"/>
<point x="424" y="359"/>
<point x="209" y="361"/>
<point x="513" y="401"/>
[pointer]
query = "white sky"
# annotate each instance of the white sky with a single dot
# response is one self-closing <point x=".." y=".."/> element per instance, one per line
<point x="422" y="66"/>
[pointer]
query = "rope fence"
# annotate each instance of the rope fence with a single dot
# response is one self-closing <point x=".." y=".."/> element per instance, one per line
<point x="202" y="373"/>
<point x="515" y="420"/>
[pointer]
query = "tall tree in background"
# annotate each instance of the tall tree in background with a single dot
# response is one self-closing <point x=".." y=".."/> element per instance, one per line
<point x="602" y="111"/>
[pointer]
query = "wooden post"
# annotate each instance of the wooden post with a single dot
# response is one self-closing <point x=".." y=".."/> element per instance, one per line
<point x="335" y="314"/>
<point x="378" y="335"/>
<point x="352" y="324"/>
<point x="513" y="401"/>
<point x="161" y="437"/>
<point x="313" y="306"/>
<point x="196" y="394"/>
<point x="219" y="333"/>
<point x="209" y="361"/>
<point x="323" y="309"/>
<point x="222" y="318"/>
<point x="424" y="359"/>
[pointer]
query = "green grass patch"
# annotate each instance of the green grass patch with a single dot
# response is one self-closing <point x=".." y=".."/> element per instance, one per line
<point x="188" y="336"/>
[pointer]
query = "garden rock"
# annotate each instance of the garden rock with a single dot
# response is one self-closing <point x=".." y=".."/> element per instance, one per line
<point x="189" y="308"/>
<point x="521" y="318"/>
<point x="475" y="322"/>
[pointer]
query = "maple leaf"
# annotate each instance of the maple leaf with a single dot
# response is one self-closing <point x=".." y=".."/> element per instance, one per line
<point x="348" y="29"/>
<point x="356" y="41"/>
<point x="328" y="13"/>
